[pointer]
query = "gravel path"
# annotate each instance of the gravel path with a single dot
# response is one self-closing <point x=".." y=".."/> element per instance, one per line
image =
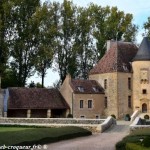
<point x="102" y="141"/>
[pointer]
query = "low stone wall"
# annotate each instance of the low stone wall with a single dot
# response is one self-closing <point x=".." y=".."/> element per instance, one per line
<point x="137" y="125"/>
<point x="106" y="124"/>
<point x="51" y="120"/>
<point x="89" y="124"/>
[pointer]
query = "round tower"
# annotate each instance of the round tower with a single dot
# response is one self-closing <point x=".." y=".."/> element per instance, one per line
<point x="141" y="78"/>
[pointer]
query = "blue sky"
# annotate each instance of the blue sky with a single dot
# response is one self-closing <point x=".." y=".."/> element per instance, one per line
<point x="139" y="8"/>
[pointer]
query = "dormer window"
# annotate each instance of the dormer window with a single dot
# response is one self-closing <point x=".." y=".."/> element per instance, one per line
<point x="80" y="88"/>
<point x="95" y="89"/>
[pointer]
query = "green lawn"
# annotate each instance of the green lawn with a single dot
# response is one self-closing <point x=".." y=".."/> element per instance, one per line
<point x="137" y="140"/>
<point x="29" y="135"/>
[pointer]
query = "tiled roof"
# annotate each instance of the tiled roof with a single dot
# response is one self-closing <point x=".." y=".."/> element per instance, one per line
<point x="144" y="51"/>
<point x="35" y="98"/>
<point x="117" y="59"/>
<point x="86" y="86"/>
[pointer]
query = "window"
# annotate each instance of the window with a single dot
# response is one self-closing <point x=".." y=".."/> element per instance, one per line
<point x="97" y="117"/>
<point x="95" y="89"/>
<point x="129" y="83"/>
<point x="105" y="102"/>
<point x="105" y="84"/>
<point x="80" y="88"/>
<point x="82" y="116"/>
<point x="81" y="103"/>
<point x="144" y="75"/>
<point x="89" y="103"/>
<point x="144" y="91"/>
<point x="129" y="101"/>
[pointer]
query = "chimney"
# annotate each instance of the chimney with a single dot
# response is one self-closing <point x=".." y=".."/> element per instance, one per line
<point x="109" y="44"/>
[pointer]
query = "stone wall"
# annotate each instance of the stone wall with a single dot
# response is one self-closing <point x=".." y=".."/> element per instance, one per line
<point x="137" y="125"/>
<point x="93" y="125"/>
<point x="117" y="92"/>
<point x="110" y="92"/>
<point x="51" y="121"/>
<point x="106" y="124"/>
<point x="141" y="69"/>
<point x="97" y="109"/>
<point x="123" y="93"/>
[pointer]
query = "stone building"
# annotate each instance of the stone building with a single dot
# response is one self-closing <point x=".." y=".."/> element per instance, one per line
<point x="123" y="73"/>
<point x="114" y="73"/>
<point x="141" y="78"/>
<point x="118" y="85"/>
<point x="85" y="97"/>
<point x="34" y="103"/>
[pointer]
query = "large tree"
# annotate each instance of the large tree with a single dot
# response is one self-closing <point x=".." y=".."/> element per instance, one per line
<point x="5" y="6"/>
<point x="23" y="40"/>
<point x="45" y="37"/>
<point x="84" y="43"/>
<point x="65" y="23"/>
<point x="111" y="23"/>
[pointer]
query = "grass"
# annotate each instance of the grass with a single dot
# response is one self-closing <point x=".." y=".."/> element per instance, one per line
<point x="30" y="136"/>
<point x="132" y="141"/>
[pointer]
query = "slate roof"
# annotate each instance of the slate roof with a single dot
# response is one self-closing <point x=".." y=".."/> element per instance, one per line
<point x="117" y="59"/>
<point x="144" y="51"/>
<point x="36" y="98"/>
<point x="88" y="86"/>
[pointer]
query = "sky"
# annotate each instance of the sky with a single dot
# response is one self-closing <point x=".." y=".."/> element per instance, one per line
<point x="140" y="9"/>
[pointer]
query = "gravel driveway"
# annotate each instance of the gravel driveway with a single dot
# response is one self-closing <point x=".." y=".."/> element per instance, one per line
<point x="102" y="141"/>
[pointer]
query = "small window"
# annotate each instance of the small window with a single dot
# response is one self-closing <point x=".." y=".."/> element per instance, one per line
<point x="82" y="116"/>
<point x="81" y="103"/>
<point x="80" y="88"/>
<point x="105" y="84"/>
<point x="144" y="91"/>
<point x="89" y="103"/>
<point x="96" y="89"/>
<point x="105" y="102"/>
<point x="97" y="117"/>
<point x="129" y="83"/>
<point x="129" y="101"/>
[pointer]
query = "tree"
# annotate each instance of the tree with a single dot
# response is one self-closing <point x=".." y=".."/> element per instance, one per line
<point x="65" y="23"/>
<point x="84" y="46"/>
<point x="9" y="78"/>
<point x="110" y="23"/>
<point x="45" y="37"/>
<point x="5" y="6"/>
<point x="23" y="44"/>
<point x="147" y="27"/>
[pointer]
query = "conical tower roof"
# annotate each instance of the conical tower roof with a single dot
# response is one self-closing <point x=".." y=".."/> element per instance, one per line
<point x="143" y="51"/>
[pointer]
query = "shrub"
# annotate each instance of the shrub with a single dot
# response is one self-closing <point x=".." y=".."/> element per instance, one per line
<point x="113" y="116"/>
<point x="69" y="116"/>
<point x="146" y="142"/>
<point x="133" y="146"/>
<point x="121" y="145"/>
<point x="127" y="117"/>
<point x="146" y="117"/>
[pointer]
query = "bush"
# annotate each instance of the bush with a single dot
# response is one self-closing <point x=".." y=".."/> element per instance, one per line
<point x="127" y="117"/>
<point x="113" y="116"/>
<point x="146" y="117"/>
<point x="146" y="142"/>
<point x="121" y="145"/>
<point x="133" y="146"/>
<point x="69" y="116"/>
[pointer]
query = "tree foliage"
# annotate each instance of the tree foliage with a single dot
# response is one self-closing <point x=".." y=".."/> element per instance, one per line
<point x="34" y="35"/>
<point x="23" y="40"/>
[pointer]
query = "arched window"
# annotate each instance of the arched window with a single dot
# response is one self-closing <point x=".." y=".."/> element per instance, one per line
<point x="144" y="108"/>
